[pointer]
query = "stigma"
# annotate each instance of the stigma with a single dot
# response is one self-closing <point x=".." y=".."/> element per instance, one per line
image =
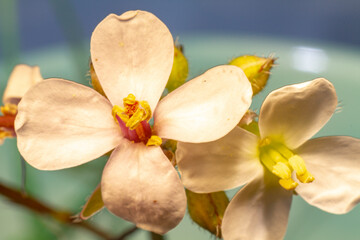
<point x="281" y="161"/>
<point x="133" y="119"/>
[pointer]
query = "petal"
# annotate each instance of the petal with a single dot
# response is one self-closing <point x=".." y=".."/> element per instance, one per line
<point x="62" y="124"/>
<point x="296" y="112"/>
<point x="335" y="164"/>
<point x="206" y="108"/>
<point x="260" y="210"/>
<point x="223" y="164"/>
<point x="132" y="53"/>
<point x="140" y="185"/>
<point x="21" y="79"/>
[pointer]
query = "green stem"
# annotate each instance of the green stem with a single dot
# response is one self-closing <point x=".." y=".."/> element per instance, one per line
<point x="155" y="236"/>
<point x="127" y="233"/>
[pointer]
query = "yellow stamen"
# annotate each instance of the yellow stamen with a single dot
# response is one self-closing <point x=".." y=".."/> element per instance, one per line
<point x="129" y="100"/>
<point x="306" y="177"/>
<point x="9" y="109"/>
<point x="154" y="141"/>
<point x="288" y="184"/>
<point x="281" y="170"/>
<point x="281" y="161"/>
<point x="147" y="109"/>
<point x="136" y="118"/>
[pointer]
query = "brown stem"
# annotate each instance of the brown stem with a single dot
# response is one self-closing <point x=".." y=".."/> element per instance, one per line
<point x="36" y="206"/>
<point x="127" y="233"/>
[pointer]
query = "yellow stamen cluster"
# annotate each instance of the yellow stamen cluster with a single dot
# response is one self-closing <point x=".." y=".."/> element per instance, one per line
<point x="9" y="109"/>
<point x="132" y="114"/>
<point x="281" y="161"/>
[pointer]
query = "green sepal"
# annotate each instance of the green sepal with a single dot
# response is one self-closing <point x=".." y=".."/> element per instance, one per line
<point x="179" y="71"/>
<point x="207" y="210"/>
<point x="93" y="205"/>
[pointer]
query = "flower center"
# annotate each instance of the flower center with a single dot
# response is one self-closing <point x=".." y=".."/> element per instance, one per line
<point x="133" y="120"/>
<point x="7" y="120"/>
<point x="281" y="161"/>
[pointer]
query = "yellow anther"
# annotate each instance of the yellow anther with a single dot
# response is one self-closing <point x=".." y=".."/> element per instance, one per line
<point x="129" y="100"/>
<point x="117" y="111"/>
<point x="281" y="170"/>
<point x="276" y="156"/>
<point x="298" y="164"/>
<point x="136" y="118"/>
<point x="4" y="134"/>
<point x="147" y="109"/>
<point x="265" y="141"/>
<point x="154" y="141"/>
<point x="8" y="109"/>
<point x="306" y="177"/>
<point x="288" y="184"/>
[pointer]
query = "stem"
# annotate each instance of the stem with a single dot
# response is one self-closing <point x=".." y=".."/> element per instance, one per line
<point x="38" y="207"/>
<point x="127" y="233"/>
<point x="155" y="236"/>
<point x="23" y="175"/>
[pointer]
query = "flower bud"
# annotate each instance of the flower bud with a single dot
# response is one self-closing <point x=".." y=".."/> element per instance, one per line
<point x="256" y="69"/>
<point x="93" y="205"/>
<point x="179" y="71"/>
<point x="207" y="209"/>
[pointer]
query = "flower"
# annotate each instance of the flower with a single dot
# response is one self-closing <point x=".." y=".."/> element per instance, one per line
<point x="21" y="79"/>
<point x="323" y="171"/>
<point x="63" y="124"/>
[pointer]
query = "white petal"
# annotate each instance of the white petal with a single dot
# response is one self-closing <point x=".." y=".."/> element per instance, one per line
<point x="132" y="53"/>
<point x="223" y="164"/>
<point x="63" y="124"/>
<point x="205" y="108"/>
<point x="335" y="164"/>
<point x="260" y="210"/>
<point x="21" y="79"/>
<point x="140" y="185"/>
<point x="296" y="112"/>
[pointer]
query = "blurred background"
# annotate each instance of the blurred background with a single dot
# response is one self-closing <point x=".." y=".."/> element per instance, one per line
<point x="318" y="38"/>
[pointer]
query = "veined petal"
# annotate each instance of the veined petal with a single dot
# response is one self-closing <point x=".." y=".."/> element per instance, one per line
<point x="140" y="185"/>
<point x="296" y="112"/>
<point x="205" y="108"/>
<point x="21" y="79"/>
<point x="260" y="210"/>
<point x="335" y="164"/>
<point x="223" y="164"/>
<point x="132" y="53"/>
<point x="62" y="124"/>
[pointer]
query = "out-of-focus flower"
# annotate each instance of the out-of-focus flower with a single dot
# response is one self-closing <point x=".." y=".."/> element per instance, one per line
<point x="323" y="171"/>
<point x="62" y="124"/>
<point x="21" y="79"/>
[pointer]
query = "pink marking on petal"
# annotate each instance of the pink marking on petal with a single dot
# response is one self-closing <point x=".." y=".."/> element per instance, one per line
<point x="123" y="127"/>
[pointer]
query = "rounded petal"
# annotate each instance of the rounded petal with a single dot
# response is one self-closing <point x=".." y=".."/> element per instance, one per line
<point x="295" y="113"/>
<point x="21" y="79"/>
<point x="260" y="210"/>
<point x="223" y="164"/>
<point x="335" y="164"/>
<point x="62" y="124"/>
<point x="205" y="108"/>
<point x="132" y="53"/>
<point x="140" y="185"/>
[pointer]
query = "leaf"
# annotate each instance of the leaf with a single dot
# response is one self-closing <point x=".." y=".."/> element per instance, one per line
<point x="93" y="205"/>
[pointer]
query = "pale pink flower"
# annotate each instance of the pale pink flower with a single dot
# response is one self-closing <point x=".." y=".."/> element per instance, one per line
<point x="323" y="171"/>
<point x="63" y="124"/>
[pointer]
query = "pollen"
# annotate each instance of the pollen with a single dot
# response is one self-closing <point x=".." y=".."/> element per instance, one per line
<point x="9" y="109"/>
<point x="282" y="162"/>
<point x="133" y="119"/>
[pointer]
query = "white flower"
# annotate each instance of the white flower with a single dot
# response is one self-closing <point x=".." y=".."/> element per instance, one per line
<point x="21" y="79"/>
<point x="62" y="124"/>
<point x="323" y="171"/>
